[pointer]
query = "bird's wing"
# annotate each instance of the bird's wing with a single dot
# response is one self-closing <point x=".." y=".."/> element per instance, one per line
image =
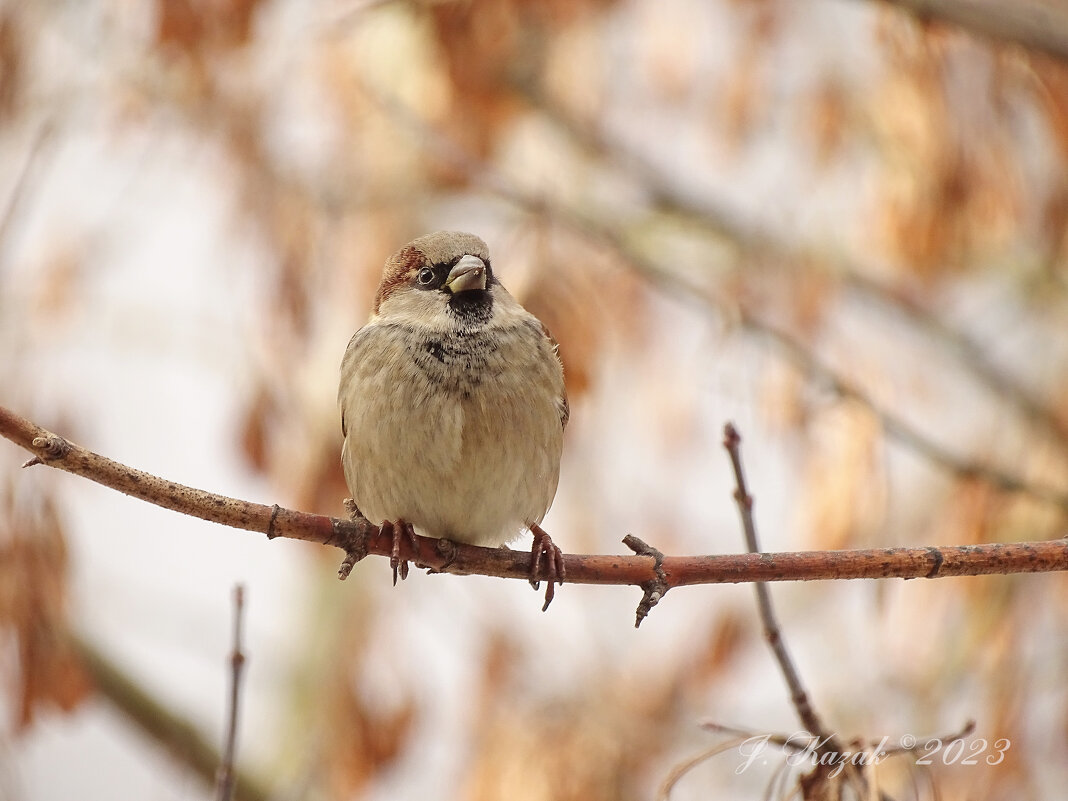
<point x="353" y="354"/>
<point x="565" y="407"/>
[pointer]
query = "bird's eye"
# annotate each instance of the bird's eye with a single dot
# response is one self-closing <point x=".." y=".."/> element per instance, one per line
<point x="425" y="276"/>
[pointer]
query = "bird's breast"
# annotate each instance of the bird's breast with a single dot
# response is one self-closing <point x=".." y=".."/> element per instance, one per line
<point x="458" y="363"/>
<point x="457" y="432"/>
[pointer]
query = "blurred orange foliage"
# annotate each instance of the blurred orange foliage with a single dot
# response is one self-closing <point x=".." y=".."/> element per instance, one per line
<point x="666" y="186"/>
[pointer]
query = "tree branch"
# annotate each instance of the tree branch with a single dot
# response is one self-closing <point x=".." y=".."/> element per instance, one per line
<point x="773" y="633"/>
<point x="360" y="538"/>
<point x="1032" y="24"/>
<point x="827" y="745"/>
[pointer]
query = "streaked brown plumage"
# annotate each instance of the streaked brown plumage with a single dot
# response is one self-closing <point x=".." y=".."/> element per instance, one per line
<point x="452" y="402"/>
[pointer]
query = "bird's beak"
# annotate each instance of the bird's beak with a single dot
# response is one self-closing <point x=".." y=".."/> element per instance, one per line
<point x="469" y="273"/>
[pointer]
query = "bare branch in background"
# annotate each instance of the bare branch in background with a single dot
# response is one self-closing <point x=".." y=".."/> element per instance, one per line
<point x="42" y="138"/>
<point x="1033" y="24"/>
<point x="828" y="745"/>
<point x="178" y="736"/>
<point x="732" y="441"/>
<point x="756" y="243"/>
<point x="225" y="777"/>
<point x="251" y="138"/>
<point x="683" y="285"/>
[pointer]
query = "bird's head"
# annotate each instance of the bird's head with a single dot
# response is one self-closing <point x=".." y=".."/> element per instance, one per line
<point x="440" y="279"/>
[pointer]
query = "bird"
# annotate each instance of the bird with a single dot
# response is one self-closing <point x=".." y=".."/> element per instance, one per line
<point x="453" y="407"/>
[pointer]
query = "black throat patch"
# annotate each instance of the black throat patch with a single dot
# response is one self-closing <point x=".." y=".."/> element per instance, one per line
<point x="473" y="307"/>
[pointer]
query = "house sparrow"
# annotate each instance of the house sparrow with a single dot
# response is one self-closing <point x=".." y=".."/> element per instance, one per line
<point x="453" y="406"/>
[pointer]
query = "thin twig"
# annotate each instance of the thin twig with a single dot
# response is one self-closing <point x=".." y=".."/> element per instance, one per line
<point x="827" y="743"/>
<point x="920" y="743"/>
<point x="358" y="539"/>
<point x="178" y="736"/>
<point x="654" y="590"/>
<point x="224" y="781"/>
<point x="772" y="632"/>
<point x="683" y="768"/>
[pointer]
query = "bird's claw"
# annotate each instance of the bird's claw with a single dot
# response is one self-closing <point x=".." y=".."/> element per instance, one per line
<point x="546" y="562"/>
<point x="398" y="531"/>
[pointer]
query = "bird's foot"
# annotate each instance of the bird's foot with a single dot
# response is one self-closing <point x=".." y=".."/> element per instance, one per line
<point x="356" y="547"/>
<point x="546" y="562"/>
<point x="399" y="530"/>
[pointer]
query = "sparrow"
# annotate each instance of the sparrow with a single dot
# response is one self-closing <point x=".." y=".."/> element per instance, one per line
<point x="453" y="406"/>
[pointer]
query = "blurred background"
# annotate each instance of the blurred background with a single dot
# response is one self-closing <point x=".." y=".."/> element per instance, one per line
<point x="838" y="226"/>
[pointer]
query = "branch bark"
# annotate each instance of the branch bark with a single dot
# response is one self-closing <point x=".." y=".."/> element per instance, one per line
<point x="360" y="538"/>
